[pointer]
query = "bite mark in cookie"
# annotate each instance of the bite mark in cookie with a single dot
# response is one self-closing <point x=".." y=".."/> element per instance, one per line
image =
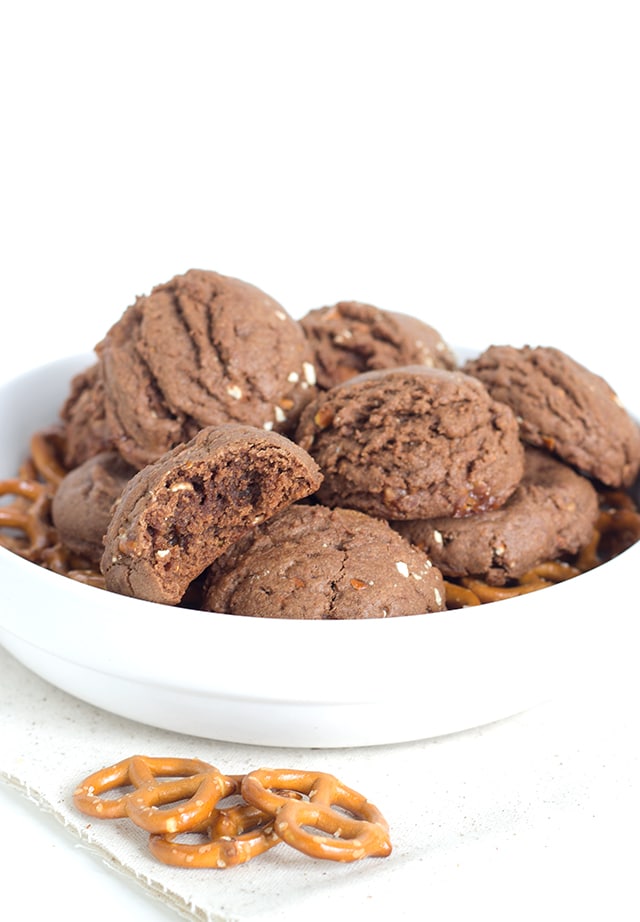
<point x="179" y="514"/>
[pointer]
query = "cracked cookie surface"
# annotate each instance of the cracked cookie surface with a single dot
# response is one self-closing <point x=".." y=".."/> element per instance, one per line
<point x="312" y="562"/>
<point x="350" y="338"/>
<point x="200" y="350"/>
<point x="565" y="408"/>
<point x="552" y="512"/>
<point x="413" y="442"/>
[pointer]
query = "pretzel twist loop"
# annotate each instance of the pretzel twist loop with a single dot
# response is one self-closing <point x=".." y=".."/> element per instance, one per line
<point x="233" y="835"/>
<point x="27" y="514"/>
<point x="201" y="793"/>
<point x="136" y="772"/>
<point x="46" y="449"/>
<point x="340" y="835"/>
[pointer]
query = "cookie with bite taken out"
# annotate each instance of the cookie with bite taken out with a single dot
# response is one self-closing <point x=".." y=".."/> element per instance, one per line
<point x="177" y="515"/>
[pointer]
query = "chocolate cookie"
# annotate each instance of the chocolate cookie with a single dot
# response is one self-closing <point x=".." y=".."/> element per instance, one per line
<point x="86" y="432"/>
<point x="311" y="562"/>
<point x="564" y="407"/>
<point x="180" y="513"/>
<point x="350" y="338"/>
<point x="413" y="442"/>
<point x="82" y="504"/>
<point x="201" y="350"/>
<point x="552" y="512"/>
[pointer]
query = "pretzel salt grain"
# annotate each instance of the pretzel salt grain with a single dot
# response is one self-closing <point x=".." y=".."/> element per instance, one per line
<point x="131" y="772"/>
<point x="201" y="793"/>
<point x="348" y="836"/>
<point x="233" y="835"/>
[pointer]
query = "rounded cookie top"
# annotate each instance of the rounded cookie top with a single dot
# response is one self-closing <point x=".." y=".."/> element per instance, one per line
<point x="552" y="512"/>
<point x="86" y="432"/>
<point x="413" y="442"/>
<point x="312" y="562"/>
<point x="350" y="337"/>
<point x="181" y="512"/>
<point x="202" y="349"/>
<point x="82" y="505"/>
<point x="564" y="407"/>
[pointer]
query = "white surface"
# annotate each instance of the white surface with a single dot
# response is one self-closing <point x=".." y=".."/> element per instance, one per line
<point x="533" y="817"/>
<point x="68" y="875"/>
<point x="473" y="163"/>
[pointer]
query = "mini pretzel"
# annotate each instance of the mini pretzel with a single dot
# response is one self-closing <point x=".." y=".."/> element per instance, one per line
<point x="459" y="596"/>
<point x="553" y="571"/>
<point x="348" y="837"/>
<point x="134" y="771"/>
<point x="46" y="447"/>
<point x="234" y="835"/>
<point x="201" y="793"/>
<point x="30" y="518"/>
<point x="487" y="593"/>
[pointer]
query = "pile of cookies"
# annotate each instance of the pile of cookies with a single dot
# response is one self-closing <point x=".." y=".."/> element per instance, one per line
<point x="222" y="455"/>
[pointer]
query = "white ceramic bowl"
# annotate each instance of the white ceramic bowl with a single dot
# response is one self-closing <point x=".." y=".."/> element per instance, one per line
<point x="278" y="682"/>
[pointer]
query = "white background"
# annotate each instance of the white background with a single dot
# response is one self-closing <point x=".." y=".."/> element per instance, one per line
<point x="473" y="162"/>
<point x="476" y="163"/>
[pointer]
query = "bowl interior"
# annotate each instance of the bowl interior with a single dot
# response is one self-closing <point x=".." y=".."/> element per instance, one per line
<point x="286" y="683"/>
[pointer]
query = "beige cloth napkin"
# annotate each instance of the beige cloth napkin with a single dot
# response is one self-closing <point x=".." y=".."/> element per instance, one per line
<point x="509" y="812"/>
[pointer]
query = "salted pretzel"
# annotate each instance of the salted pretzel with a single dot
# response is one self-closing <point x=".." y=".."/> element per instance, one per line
<point x="273" y="806"/>
<point x="232" y="836"/>
<point x="134" y="772"/>
<point x="195" y="797"/>
<point x="337" y="835"/>
<point x="46" y="449"/>
<point x="617" y="528"/>
<point x="27" y="514"/>
<point x="459" y="596"/>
